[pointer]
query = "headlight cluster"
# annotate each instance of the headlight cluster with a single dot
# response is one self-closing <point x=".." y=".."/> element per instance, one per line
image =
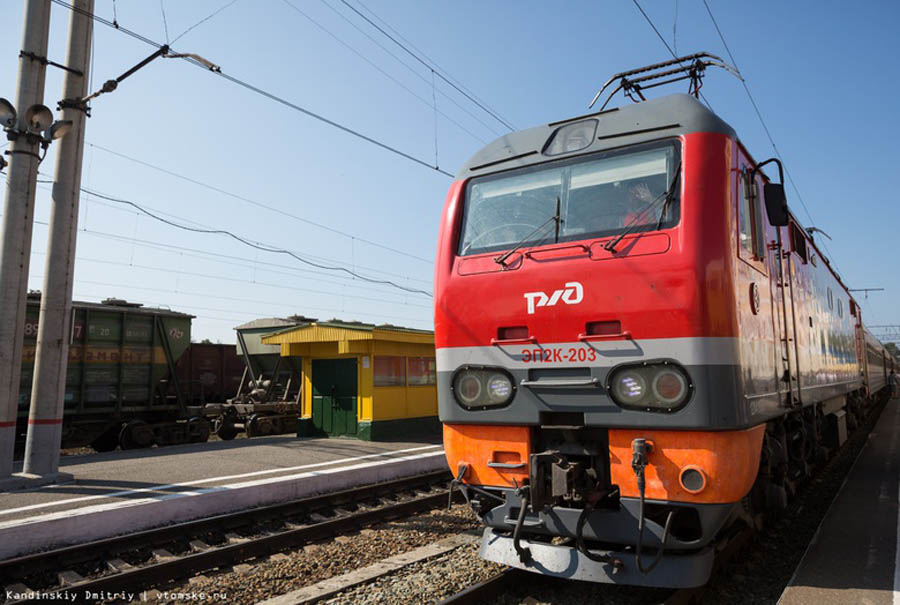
<point x="480" y="388"/>
<point x="654" y="386"/>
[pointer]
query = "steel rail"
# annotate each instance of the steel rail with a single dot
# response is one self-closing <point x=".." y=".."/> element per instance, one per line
<point x="489" y="590"/>
<point x="179" y="566"/>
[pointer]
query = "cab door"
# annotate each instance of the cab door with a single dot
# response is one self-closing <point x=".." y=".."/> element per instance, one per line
<point x="758" y="308"/>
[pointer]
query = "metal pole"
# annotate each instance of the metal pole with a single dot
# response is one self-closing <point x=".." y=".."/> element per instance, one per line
<point x="18" y="217"/>
<point x="48" y="389"/>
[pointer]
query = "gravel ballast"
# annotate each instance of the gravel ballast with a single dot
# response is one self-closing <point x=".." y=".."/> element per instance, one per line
<point x="289" y="571"/>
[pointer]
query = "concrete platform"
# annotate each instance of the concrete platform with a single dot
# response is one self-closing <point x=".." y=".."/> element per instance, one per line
<point x="853" y="558"/>
<point x="120" y="492"/>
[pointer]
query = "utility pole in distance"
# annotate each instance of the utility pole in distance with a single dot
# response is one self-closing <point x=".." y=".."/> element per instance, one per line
<point x="55" y="325"/>
<point x="18" y="221"/>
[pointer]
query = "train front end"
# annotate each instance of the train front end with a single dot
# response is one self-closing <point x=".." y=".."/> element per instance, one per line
<point x="588" y="373"/>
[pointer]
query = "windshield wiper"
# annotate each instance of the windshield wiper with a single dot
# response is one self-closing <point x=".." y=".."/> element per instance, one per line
<point x="501" y="260"/>
<point x="630" y="227"/>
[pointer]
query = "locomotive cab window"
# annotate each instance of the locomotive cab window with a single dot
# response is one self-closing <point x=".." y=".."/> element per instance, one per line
<point x="579" y="198"/>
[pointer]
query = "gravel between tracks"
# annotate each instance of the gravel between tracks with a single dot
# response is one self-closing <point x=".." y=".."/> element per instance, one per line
<point x="289" y="571"/>
<point x="426" y="582"/>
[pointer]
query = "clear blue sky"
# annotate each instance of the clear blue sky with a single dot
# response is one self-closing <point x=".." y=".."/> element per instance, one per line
<point x="823" y="74"/>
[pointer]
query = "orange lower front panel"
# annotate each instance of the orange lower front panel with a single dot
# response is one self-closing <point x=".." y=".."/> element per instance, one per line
<point x="495" y="455"/>
<point x="728" y="461"/>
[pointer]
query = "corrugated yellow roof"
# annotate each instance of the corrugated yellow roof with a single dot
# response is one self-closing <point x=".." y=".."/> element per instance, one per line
<point x="337" y="332"/>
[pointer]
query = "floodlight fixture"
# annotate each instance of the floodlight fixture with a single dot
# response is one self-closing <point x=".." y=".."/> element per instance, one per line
<point x="58" y="130"/>
<point x="7" y="114"/>
<point x="38" y="118"/>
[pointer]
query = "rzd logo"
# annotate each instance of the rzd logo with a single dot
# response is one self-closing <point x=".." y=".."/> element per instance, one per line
<point x="572" y="294"/>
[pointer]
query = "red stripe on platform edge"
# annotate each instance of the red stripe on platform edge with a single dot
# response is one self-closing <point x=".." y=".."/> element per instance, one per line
<point x="5" y="425"/>
<point x="45" y="421"/>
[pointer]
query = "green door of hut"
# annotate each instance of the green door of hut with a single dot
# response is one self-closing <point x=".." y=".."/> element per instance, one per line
<point x="334" y="396"/>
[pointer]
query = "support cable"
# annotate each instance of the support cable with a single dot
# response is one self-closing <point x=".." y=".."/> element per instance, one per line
<point x="761" y="120"/>
<point x="411" y="69"/>
<point x="246" y="242"/>
<point x="383" y="72"/>
<point x="202" y="21"/>
<point x="666" y="44"/>
<point x="256" y="203"/>
<point x="271" y="96"/>
<point x="459" y="89"/>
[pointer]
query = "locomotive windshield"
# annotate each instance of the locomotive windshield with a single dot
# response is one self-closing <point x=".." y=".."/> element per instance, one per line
<point x="586" y="197"/>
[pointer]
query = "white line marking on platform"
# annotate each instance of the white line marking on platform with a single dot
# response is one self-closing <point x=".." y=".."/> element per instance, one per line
<point x="20" y="509"/>
<point x="218" y="488"/>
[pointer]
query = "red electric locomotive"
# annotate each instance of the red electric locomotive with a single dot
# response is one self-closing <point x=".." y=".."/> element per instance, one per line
<point x="637" y="344"/>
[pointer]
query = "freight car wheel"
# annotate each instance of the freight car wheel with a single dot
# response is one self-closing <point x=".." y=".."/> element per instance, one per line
<point x="198" y="430"/>
<point x="135" y="435"/>
<point x="108" y="439"/>
<point x="223" y="427"/>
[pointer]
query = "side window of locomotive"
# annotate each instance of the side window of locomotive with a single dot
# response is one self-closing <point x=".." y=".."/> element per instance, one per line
<point x="746" y="215"/>
<point x="751" y="230"/>
<point x="798" y="242"/>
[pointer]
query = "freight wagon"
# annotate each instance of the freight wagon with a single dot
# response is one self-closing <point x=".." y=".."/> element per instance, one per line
<point x="209" y="372"/>
<point x="119" y="390"/>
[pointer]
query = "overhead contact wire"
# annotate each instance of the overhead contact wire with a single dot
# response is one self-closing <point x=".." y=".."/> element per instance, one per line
<point x="763" y="122"/>
<point x="666" y="44"/>
<point x="264" y="93"/>
<point x="486" y="109"/>
<point x="251" y="244"/>
<point x="255" y="202"/>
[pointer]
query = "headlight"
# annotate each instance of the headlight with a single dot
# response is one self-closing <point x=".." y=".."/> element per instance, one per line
<point x="661" y="386"/>
<point x="480" y="388"/>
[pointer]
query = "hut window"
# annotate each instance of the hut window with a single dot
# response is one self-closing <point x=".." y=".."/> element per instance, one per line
<point x="389" y="371"/>
<point x="422" y="371"/>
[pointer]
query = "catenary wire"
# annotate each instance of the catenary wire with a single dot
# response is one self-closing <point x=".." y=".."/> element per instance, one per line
<point x="162" y="8"/>
<point x="255" y="202"/>
<point x="251" y="244"/>
<point x="384" y="73"/>
<point x="205" y="295"/>
<point x="180" y="272"/>
<point x="424" y="55"/>
<point x="666" y="44"/>
<point x="202" y="21"/>
<point x="240" y="261"/>
<point x="411" y="69"/>
<point x="122" y="208"/>
<point x="487" y="110"/>
<point x="263" y="93"/>
<point x="763" y="122"/>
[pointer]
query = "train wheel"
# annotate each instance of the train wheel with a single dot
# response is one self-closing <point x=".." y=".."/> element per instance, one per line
<point x="224" y="428"/>
<point x="198" y="430"/>
<point x="108" y="440"/>
<point x="277" y="425"/>
<point x="135" y="435"/>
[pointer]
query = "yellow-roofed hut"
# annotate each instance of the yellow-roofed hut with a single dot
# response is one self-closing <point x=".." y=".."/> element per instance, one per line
<point x="362" y="380"/>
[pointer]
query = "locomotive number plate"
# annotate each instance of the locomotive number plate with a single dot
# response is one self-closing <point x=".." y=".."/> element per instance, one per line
<point x="559" y="354"/>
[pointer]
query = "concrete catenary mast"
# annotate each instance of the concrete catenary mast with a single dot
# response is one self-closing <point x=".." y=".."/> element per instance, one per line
<point x="55" y="325"/>
<point x="18" y="221"/>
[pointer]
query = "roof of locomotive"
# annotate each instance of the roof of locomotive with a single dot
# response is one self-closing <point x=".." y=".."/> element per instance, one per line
<point x="671" y="115"/>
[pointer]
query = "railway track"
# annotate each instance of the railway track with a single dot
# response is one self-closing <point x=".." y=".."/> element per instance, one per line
<point x="156" y="557"/>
